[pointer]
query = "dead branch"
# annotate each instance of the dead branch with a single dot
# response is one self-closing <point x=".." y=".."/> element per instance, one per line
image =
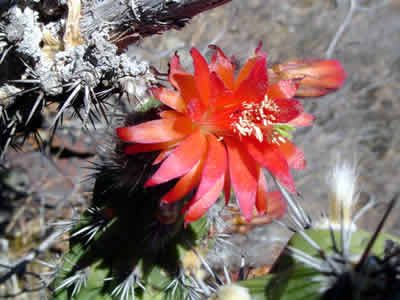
<point x="20" y="266"/>
<point x="134" y="19"/>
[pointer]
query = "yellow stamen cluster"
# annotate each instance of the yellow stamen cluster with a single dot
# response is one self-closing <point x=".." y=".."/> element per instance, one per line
<point x="253" y="117"/>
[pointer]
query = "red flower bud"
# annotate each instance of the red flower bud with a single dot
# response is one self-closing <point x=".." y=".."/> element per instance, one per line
<point x="315" y="77"/>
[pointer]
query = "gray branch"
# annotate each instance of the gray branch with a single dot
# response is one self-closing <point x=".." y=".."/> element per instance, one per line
<point x="28" y="258"/>
<point x="140" y="18"/>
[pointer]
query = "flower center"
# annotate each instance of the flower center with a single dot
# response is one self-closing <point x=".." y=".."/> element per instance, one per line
<point x="259" y="120"/>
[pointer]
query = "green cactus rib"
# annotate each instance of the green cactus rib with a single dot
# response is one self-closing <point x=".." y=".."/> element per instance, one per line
<point x="292" y="280"/>
<point x="110" y="254"/>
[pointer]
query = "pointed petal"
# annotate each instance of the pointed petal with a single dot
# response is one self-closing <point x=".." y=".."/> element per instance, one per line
<point x="139" y="148"/>
<point x="214" y="167"/>
<point x="255" y="86"/>
<point x="162" y="156"/>
<point x="289" y="109"/>
<point x="323" y="73"/>
<point x="185" y="184"/>
<point x="315" y="77"/>
<point x="282" y="89"/>
<point x="304" y="119"/>
<point x="157" y="131"/>
<point x="304" y="91"/>
<point x="262" y="189"/>
<point x="182" y="160"/>
<point x="220" y="95"/>
<point x="258" y="52"/>
<point x="222" y="66"/>
<point x="293" y="155"/>
<point x="198" y="208"/>
<point x="201" y="76"/>
<point x="269" y="156"/>
<point x="175" y="68"/>
<point x="328" y="82"/>
<point x="244" y="174"/>
<point x="248" y="66"/>
<point x="277" y="205"/>
<point x="170" y="114"/>
<point x="187" y="87"/>
<point x="212" y="180"/>
<point x="170" y="98"/>
<point x="245" y="71"/>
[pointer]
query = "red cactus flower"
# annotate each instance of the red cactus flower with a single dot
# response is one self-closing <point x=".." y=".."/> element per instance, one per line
<point x="221" y="131"/>
<point x="315" y="77"/>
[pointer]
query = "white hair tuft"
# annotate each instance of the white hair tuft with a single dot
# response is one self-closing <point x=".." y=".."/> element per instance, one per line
<point x="343" y="196"/>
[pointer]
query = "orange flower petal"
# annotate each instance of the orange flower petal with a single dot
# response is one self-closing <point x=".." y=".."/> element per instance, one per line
<point x="254" y="87"/>
<point x="289" y="109"/>
<point x="304" y="91"/>
<point x="163" y="155"/>
<point x="187" y="87"/>
<point x="244" y="174"/>
<point x="304" y="119"/>
<point x="220" y="121"/>
<point x="269" y="156"/>
<point x="157" y="131"/>
<point x="323" y="73"/>
<point x="170" y="98"/>
<point x="262" y="189"/>
<point x="185" y="184"/>
<point x="170" y="114"/>
<point x="277" y="205"/>
<point x="316" y="77"/>
<point x="245" y="71"/>
<point x="201" y="76"/>
<point x="328" y="82"/>
<point x="195" y="110"/>
<point x="222" y="66"/>
<point x="215" y="165"/>
<point x="258" y="52"/>
<point x="139" y="148"/>
<point x="248" y="66"/>
<point x="293" y="155"/>
<point x="198" y="208"/>
<point x="211" y="183"/>
<point x="175" y="68"/>
<point x="182" y="160"/>
<point x="282" y="89"/>
<point x="220" y="94"/>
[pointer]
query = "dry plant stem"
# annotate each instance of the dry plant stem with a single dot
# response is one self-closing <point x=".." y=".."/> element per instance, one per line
<point x="341" y="29"/>
<point x="18" y="214"/>
<point x="140" y="18"/>
<point x="20" y="266"/>
<point x="354" y="6"/>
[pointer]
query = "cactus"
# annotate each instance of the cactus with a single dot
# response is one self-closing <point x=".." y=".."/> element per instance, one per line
<point x="333" y="259"/>
<point x="159" y="258"/>
<point x="298" y="274"/>
<point x="147" y="231"/>
<point x="126" y="245"/>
